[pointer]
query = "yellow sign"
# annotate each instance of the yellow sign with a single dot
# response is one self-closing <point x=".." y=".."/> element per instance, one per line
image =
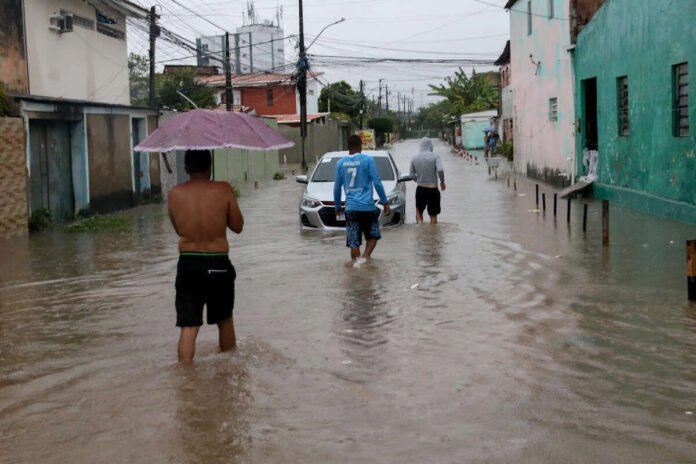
<point x="368" y="139"/>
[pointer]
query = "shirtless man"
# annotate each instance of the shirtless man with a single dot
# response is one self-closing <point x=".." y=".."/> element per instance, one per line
<point x="201" y="210"/>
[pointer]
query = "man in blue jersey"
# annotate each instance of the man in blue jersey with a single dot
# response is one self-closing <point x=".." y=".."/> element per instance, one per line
<point x="357" y="174"/>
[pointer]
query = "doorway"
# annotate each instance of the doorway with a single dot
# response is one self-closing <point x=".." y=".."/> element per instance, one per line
<point x="141" y="161"/>
<point x="51" y="179"/>
<point x="589" y="91"/>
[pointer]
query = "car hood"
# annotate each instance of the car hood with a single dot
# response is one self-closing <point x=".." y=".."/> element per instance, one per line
<point x="323" y="191"/>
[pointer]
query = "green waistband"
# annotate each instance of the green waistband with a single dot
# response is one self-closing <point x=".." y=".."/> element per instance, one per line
<point x="195" y="253"/>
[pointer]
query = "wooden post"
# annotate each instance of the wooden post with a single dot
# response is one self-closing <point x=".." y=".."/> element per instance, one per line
<point x="508" y="182"/>
<point x="555" y="203"/>
<point x="584" y="218"/>
<point x="543" y="201"/>
<point x="537" y="195"/>
<point x="691" y="268"/>
<point x="568" y="212"/>
<point x="514" y="184"/>
<point x="605" y="223"/>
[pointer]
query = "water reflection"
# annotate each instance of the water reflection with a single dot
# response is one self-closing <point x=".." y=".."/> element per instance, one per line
<point x="363" y="322"/>
<point x="212" y="402"/>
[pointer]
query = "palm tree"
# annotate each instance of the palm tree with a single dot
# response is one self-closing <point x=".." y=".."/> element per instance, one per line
<point x="468" y="94"/>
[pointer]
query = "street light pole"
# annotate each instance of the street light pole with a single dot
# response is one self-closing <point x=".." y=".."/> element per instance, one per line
<point x="302" y="68"/>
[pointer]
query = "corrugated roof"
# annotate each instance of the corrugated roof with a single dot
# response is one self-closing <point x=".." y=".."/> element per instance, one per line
<point x="254" y="80"/>
<point x="295" y="118"/>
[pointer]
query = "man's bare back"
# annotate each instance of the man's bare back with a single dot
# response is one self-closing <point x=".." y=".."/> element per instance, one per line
<point x="201" y="210"/>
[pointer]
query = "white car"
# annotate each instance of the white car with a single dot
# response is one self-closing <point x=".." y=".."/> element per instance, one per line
<point x="317" y="207"/>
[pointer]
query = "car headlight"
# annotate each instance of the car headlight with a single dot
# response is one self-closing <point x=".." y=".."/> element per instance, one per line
<point x="393" y="199"/>
<point x="308" y="202"/>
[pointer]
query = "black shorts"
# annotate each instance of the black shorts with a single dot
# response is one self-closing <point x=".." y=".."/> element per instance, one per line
<point x="204" y="280"/>
<point x="427" y="197"/>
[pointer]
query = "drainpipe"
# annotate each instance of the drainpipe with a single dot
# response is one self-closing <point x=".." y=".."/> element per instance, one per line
<point x="574" y="149"/>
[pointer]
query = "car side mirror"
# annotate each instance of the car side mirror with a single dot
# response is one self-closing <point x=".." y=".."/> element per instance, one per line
<point x="405" y="178"/>
<point x="301" y="179"/>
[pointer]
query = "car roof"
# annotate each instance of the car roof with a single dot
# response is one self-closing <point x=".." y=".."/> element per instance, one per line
<point x="341" y="154"/>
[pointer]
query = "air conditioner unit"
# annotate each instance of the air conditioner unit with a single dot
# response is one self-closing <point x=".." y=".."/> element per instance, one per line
<point x="60" y="23"/>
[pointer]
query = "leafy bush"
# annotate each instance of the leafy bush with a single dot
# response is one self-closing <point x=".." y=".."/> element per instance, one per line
<point x="506" y="149"/>
<point x="41" y="219"/>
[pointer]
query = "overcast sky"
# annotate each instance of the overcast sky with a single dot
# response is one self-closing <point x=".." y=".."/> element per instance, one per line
<point x="441" y="29"/>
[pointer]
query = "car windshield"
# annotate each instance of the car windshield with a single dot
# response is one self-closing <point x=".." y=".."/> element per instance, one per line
<point x="326" y="171"/>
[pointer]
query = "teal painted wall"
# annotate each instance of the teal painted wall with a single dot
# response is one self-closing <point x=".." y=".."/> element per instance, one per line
<point x="643" y="40"/>
<point x="472" y="134"/>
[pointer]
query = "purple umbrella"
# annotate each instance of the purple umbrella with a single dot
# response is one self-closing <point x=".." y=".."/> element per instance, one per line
<point x="208" y="130"/>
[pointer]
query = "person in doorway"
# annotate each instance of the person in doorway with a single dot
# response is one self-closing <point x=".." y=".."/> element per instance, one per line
<point x="425" y="169"/>
<point x="201" y="211"/>
<point x="486" y="137"/>
<point x="492" y="142"/>
<point x="356" y="174"/>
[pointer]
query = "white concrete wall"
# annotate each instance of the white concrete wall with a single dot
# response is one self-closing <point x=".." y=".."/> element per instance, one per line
<point x="81" y="65"/>
<point x="266" y="56"/>
<point x="313" y="90"/>
<point x="539" y="142"/>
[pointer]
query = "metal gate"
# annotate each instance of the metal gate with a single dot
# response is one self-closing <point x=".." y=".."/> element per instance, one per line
<point x="51" y="181"/>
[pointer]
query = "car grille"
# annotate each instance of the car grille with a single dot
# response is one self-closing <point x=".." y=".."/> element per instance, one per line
<point x="328" y="217"/>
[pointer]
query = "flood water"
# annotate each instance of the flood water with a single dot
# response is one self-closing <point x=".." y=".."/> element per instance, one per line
<point x="499" y="336"/>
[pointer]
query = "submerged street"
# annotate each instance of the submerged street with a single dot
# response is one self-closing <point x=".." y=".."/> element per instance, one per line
<point x="502" y="335"/>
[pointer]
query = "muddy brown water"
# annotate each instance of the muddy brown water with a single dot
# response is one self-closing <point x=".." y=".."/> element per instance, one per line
<point x="499" y="336"/>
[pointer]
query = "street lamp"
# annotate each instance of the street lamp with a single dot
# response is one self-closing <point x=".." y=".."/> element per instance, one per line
<point x="302" y="68"/>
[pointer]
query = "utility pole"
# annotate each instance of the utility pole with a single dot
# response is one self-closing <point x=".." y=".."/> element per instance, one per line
<point x="302" y="67"/>
<point x="229" y="97"/>
<point x="386" y="93"/>
<point x="379" y="99"/>
<point x="362" y="102"/>
<point x="154" y="33"/>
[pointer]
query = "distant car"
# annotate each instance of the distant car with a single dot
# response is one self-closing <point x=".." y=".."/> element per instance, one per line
<point x="317" y="207"/>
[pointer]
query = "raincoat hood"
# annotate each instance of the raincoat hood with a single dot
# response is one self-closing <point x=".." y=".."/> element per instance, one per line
<point x="426" y="145"/>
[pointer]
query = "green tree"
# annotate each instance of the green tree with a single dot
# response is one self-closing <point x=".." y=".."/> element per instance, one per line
<point x="467" y="94"/>
<point x="138" y="72"/>
<point x="184" y="82"/>
<point x="343" y="99"/>
<point x="381" y="126"/>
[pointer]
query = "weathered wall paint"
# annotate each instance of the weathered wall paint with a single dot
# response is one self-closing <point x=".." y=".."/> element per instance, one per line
<point x="80" y="65"/>
<point x="237" y="166"/>
<point x="545" y="149"/>
<point x="110" y="162"/>
<point x="629" y="38"/>
<point x="13" y="62"/>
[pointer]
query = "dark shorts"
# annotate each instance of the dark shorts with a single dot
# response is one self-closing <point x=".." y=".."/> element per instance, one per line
<point x="359" y="223"/>
<point x="204" y="280"/>
<point x="428" y="198"/>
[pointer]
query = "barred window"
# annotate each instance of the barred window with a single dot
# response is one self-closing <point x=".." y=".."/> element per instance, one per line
<point x="79" y="20"/>
<point x="553" y="109"/>
<point x="111" y="32"/>
<point x="622" y="104"/>
<point x="681" y="99"/>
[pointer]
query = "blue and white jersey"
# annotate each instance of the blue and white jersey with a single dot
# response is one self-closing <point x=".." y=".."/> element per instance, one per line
<point x="357" y="174"/>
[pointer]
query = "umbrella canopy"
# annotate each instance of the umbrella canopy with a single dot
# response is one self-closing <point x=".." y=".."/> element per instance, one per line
<point x="208" y="130"/>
